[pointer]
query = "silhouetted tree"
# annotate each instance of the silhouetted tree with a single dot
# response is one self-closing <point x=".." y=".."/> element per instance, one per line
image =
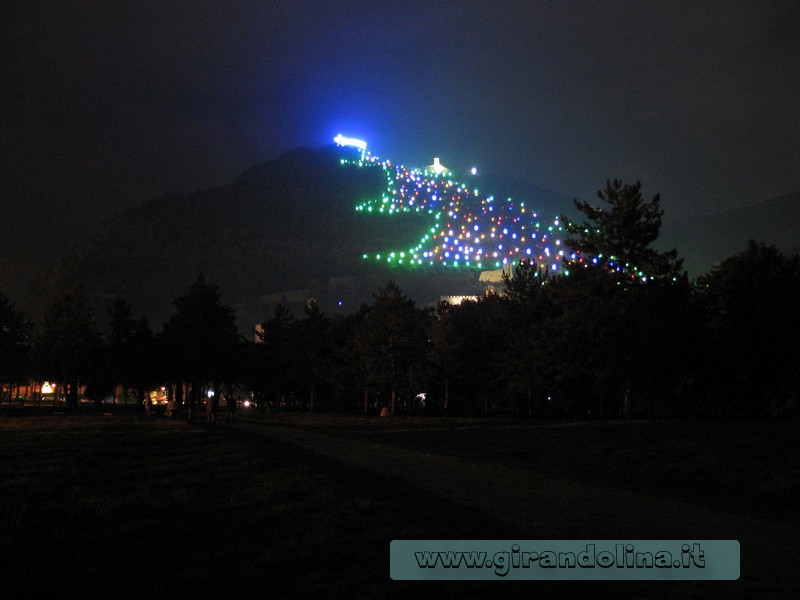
<point x="145" y="355"/>
<point x="15" y="340"/>
<point x="620" y="233"/>
<point x="341" y="368"/>
<point x="752" y="299"/>
<point x="69" y="342"/>
<point x="120" y="341"/>
<point x="390" y="339"/>
<point x="470" y="342"/>
<point x="533" y="345"/>
<point x="313" y="334"/>
<point x="590" y="336"/>
<point x="279" y="355"/>
<point x="201" y="341"/>
<point x="525" y="281"/>
<point x="613" y="334"/>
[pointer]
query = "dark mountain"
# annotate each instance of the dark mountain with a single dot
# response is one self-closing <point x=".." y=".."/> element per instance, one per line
<point x="285" y="225"/>
<point x="706" y="240"/>
<point x="286" y="230"/>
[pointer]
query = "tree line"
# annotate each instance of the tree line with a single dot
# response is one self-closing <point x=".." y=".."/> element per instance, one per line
<point x="619" y="331"/>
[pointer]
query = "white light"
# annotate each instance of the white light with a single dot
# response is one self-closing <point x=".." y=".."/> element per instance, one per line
<point x="437" y="167"/>
<point x="348" y="141"/>
<point x="474" y="170"/>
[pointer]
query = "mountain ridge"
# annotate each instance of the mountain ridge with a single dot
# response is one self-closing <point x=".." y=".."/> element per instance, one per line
<point x="286" y="229"/>
<point x="774" y="222"/>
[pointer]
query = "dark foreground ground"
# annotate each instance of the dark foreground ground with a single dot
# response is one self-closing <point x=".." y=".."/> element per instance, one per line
<point x="116" y="506"/>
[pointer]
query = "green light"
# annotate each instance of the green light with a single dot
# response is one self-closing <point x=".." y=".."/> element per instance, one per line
<point x="405" y="192"/>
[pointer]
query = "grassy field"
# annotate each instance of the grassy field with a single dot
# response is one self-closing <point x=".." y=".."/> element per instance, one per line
<point x="123" y="507"/>
<point x="116" y="506"/>
<point x="749" y="467"/>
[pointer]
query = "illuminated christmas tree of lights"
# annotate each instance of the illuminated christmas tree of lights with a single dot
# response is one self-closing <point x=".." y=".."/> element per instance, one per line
<point x="464" y="227"/>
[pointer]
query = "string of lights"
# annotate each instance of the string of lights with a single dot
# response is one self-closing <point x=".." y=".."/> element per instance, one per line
<point x="466" y="228"/>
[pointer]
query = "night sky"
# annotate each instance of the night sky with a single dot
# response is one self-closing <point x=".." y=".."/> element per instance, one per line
<point x="108" y="105"/>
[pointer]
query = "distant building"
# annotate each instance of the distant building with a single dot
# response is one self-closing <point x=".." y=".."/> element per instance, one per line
<point x="437" y="168"/>
<point x="497" y="276"/>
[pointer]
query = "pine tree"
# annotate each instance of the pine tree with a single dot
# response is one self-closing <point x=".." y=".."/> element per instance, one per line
<point x="15" y="334"/>
<point x="391" y="338"/>
<point x="70" y="342"/>
<point x="621" y="233"/>
<point x="201" y="338"/>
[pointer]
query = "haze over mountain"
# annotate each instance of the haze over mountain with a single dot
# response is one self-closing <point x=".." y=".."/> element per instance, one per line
<point x="706" y="240"/>
<point x="286" y="230"/>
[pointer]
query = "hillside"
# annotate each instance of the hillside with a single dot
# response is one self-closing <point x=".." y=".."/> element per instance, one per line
<point x="706" y="240"/>
<point x="287" y="230"/>
<point x="281" y="226"/>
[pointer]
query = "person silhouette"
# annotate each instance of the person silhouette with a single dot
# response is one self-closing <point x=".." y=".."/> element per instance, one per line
<point x="230" y="404"/>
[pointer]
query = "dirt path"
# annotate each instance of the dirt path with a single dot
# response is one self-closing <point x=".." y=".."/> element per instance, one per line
<point x="544" y="508"/>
